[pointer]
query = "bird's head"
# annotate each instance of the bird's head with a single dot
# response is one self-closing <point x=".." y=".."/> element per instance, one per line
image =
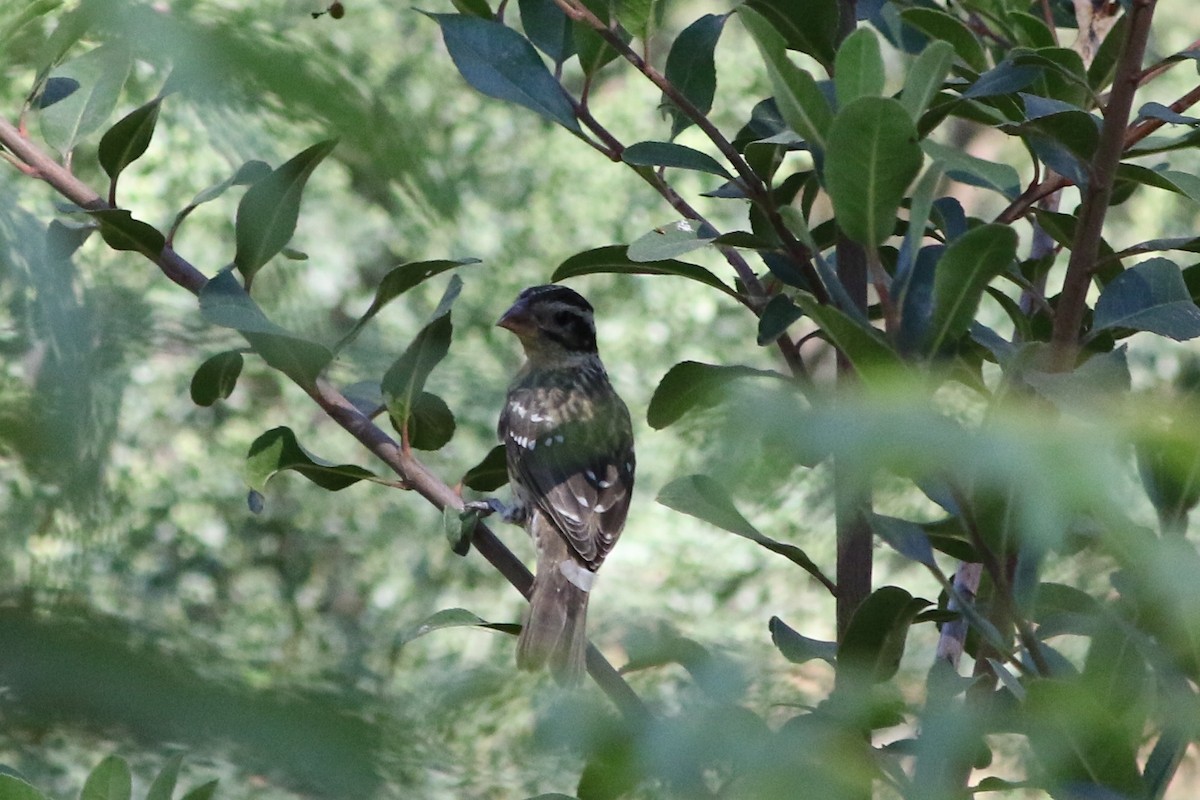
<point x="554" y="324"/>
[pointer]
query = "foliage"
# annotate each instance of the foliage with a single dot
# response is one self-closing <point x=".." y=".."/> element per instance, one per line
<point x="982" y="392"/>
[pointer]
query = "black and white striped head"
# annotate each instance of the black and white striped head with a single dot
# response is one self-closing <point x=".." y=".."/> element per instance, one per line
<point x="552" y="322"/>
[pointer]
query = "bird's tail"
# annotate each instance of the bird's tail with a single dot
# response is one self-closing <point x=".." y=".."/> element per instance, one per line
<point x="555" y="630"/>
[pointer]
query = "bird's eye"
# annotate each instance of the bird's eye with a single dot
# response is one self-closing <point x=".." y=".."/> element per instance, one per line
<point x="563" y="318"/>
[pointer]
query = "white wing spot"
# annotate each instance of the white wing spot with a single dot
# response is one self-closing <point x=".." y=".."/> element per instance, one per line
<point x="559" y="438"/>
<point x="583" y="501"/>
<point x="604" y="484"/>
<point x="519" y="410"/>
<point x="591" y="476"/>
<point x="535" y="417"/>
<point x="549" y="441"/>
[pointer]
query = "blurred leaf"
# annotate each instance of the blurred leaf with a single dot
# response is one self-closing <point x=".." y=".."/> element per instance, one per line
<point x="101" y="75"/>
<point x="267" y="214"/>
<point x="125" y="142"/>
<point x="452" y="618"/>
<point x="501" y="63"/>
<point x="216" y="378"/>
<point x="205" y="791"/>
<point x="1150" y="296"/>
<point x="405" y="379"/>
<point x="690" y="385"/>
<point x="615" y="259"/>
<point x="594" y="52"/>
<point x="665" y="243"/>
<point x="277" y="450"/>
<point x="1168" y="463"/>
<point x="702" y="497"/>
<point x="637" y="16"/>
<point x="248" y="173"/>
<point x="874" y="639"/>
<point x="13" y="788"/>
<point x="776" y="318"/>
<point x="163" y="786"/>
<point x="871" y="158"/>
<point x="669" y="154"/>
<point x="122" y="232"/>
<point x="809" y="27"/>
<point x="925" y="77"/>
<point x="799" y="648"/>
<point x="937" y="24"/>
<point x="799" y="99"/>
<point x="476" y="8"/>
<point x="1007" y="77"/>
<point x="907" y="538"/>
<point x="489" y="474"/>
<point x="968" y="169"/>
<point x="965" y="268"/>
<point x="691" y="68"/>
<point x="110" y="780"/>
<point x="548" y="28"/>
<point x="858" y="68"/>
<point x="398" y="281"/>
<point x="1163" y="763"/>
<point x="430" y="423"/>
<point x="459" y="528"/>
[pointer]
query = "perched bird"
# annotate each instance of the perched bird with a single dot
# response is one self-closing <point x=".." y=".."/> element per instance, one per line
<point x="569" y="446"/>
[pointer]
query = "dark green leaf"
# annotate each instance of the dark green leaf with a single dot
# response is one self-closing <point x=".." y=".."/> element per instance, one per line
<point x="490" y="474"/>
<point x="163" y="786"/>
<point x="248" y="173"/>
<point x="452" y="618"/>
<point x="405" y="379"/>
<point x="615" y="259"/>
<point x="475" y="8"/>
<point x="1159" y="111"/>
<point x="459" y="529"/>
<point x="594" y="52"/>
<point x="126" y="141"/>
<point x="704" y="498"/>
<point x="216" y="378"/>
<point x="110" y="780"/>
<point x="662" y="244"/>
<point x="799" y="648"/>
<point x="966" y="267"/>
<point x="1163" y="763"/>
<point x="808" y="27"/>
<point x="1150" y="296"/>
<point x="638" y="17"/>
<point x="398" y="281"/>
<point x="776" y="318"/>
<point x="973" y="171"/>
<point x="13" y="788"/>
<point x="122" y="232"/>
<point x="871" y="158"/>
<point x="277" y="450"/>
<point x="907" y="538"/>
<point x="858" y="68"/>
<point x="669" y="154"/>
<point x="690" y="385"/>
<point x="205" y="791"/>
<point x="937" y="24"/>
<point x="1004" y="78"/>
<point x="859" y="341"/>
<point x="800" y="101"/>
<point x="267" y="214"/>
<point x="430" y="422"/>
<point x="100" y="74"/>
<point x="691" y="69"/>
<point x="874" y="639"/>
<point x="548" y="28"/>
<point x="501" y="63"/>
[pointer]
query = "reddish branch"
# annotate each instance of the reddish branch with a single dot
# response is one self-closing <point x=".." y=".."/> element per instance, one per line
<point x="36" y="163"/>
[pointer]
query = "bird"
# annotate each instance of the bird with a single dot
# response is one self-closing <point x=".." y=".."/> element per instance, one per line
<point x="568" y="442"/>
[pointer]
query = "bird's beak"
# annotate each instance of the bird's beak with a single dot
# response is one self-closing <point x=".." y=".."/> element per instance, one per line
<point x="518" y="319"/>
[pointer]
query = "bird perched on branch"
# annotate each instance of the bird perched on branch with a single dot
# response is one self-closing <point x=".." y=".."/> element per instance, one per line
<point x="569" y="446"/>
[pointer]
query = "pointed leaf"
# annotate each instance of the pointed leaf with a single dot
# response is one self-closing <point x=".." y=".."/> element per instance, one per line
<point x="100" y="75"/>
<point x="13" y="788"/>
<point x="501" y="63"/>
<point x="691" y="68"/>
<point x="1150" y="296"/>
<point x="615" y="259"/>
<point x="122" y="232"/>
<point x="858" y="69"/>
<point x="968" y="169"/>
<point x="966" y="267"/>
<point x="548" y="28"/>
<point x="689" y="385"/>
<point x="163" y="786"/>
<point x="278" y="450"/>
<point x="430" y="422"/>
<point x="669" y="154"/>
<point x="776" y="318"/>
<point x="110" y="780"/>
<point x="808" y="27"/>
<point x="874" y="639"/>
<point x="489" y="474"/>
<point x="405" y="379"/>
<point x="871" y="158"/>
<point x="925" y="77"/>
<point x="937" y="24"/>
<point x="216" y="378"/>
<point x="860" y="342"/>
<point x="907" y="538"/>
<point x="248" y="173"/>
<point x="594" y="52"/>
<point x="267" y="215"/>
<point x="665" y="243"/>
<point x="126" y="141"/>
<point x="205" y="791"/>
<point x="451" y="618"/>
<point x="799" y="648"/>
<point x="702" y="497"/>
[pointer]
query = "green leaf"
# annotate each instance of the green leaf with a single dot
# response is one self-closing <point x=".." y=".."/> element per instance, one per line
<point x="776" y="318"/>
<point x="548" y="28"/>
<point x="808" y="27"/>
<point x="594" y="52"/>
<point x="799" y="99"/>
<point x="968" y="169"/>
<point x="125" y="142"/>
<point x="874" y="640"/>
<point x="637" y="16"/>
<point x="122" y="232"/>
<point x="858" y="69"/>
<point x="278" y="450"/>
<point x="13" y="788"/>
<point x="905" y="537"/>
<point x="405" y="379"/>
<point x="871" y="158"/>
<point x="205" y="791"/>
<point x="925" y="77"/>
<point x="501" y="63"/>
<point x="860" y="342"/>
<point x="430" y="422"/>
<point x="452" y="618"/>
<point x="216" y="378"/>
<point x="669" y="154"/>
<point x="398" y="281"/>
<point x="799" y="648"/>
<point x="100" y="74"/>
<point x="938" y="24"/>
<point x="965" y="269"/>
<point x="615" y="259"/>
<point x="267" y="214"/>
<point x="690" y="385"/>
<point x="691" y="68"/>
<point x="489" y="474"/>
<point x="248" y="173"/>
<point x="665" y="243"/>
<point x="1150" y="296"/>
<point x="164" y="783"/>
<point x="704" y="498"/>
<point x="110" y="780"/>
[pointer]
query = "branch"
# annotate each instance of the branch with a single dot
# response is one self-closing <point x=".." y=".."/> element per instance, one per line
<point x="335" y="405"/>
<point x="1068" y="318"/>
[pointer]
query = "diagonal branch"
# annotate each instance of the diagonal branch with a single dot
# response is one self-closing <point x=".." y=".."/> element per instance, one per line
<point x="414" y="474"/>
